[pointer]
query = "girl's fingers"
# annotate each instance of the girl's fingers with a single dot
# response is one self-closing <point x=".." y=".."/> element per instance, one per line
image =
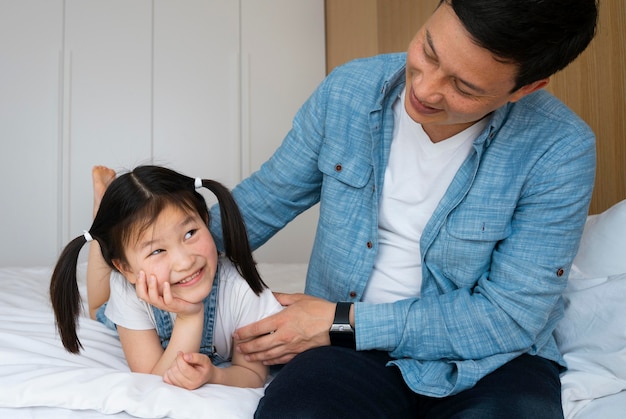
<point x="153" y="289"/>
<point x="141" y="286"/>
<point x="167" y="293"/>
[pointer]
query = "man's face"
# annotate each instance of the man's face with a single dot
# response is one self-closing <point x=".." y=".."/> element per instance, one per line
<point x="450" y="81"/>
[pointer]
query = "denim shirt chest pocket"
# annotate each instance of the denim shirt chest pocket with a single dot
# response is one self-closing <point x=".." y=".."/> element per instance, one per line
<point x="468" y="239"/>
<point x="346" y="186"/>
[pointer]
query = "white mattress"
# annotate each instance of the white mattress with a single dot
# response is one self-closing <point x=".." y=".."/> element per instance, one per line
<point x="39" y="379"/>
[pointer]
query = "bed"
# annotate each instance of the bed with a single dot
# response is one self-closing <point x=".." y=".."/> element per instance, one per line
<point x="39" y="379"/>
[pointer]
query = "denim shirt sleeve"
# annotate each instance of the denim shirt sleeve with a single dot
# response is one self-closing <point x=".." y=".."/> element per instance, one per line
<point x="285" y="185"/>
<point x="292" y="180"/>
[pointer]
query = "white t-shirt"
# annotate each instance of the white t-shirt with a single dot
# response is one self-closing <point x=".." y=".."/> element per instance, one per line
<point x="237" y="306"/>
<point x="416" y="178"/>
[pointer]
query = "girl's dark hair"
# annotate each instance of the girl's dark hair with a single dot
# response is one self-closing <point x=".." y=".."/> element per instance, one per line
<point x="541" y="36"/>
<point x="131" y="204"/>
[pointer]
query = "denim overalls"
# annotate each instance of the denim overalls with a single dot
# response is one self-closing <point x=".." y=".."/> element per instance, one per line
<point x="165" y="325"/>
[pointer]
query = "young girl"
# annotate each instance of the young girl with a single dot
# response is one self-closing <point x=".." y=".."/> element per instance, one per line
<point x="174" y="301"/>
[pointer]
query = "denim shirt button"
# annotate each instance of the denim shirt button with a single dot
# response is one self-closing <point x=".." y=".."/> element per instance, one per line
<point x="370" y="245"/>
<point x="338" y="167"/>
<point x="560" y="272"/>
<point x="352" y="294"/>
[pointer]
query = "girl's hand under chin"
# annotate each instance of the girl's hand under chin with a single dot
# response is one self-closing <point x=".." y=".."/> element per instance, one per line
<point x="147" y="288"/>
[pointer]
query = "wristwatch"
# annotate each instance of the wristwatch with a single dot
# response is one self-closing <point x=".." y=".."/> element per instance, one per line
<point x="341" y="333"/>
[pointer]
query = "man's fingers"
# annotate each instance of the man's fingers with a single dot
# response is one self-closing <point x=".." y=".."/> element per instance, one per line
<point x="256" y="329"/>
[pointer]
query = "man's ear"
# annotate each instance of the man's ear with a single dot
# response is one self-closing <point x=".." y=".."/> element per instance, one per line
<point x="528" y="89"/>
<point x="124" y="270"/>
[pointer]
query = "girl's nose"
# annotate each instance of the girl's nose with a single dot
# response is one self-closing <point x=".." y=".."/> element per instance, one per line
<point x="184" y="260"/>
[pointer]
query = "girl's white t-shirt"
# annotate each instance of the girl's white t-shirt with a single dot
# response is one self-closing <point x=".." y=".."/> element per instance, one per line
<point x="237" y="306"/>
<point x="418" y="174"/>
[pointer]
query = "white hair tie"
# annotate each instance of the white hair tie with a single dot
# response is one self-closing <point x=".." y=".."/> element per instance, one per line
<point x="87" y="236"/>
<point x="197" y="183"/>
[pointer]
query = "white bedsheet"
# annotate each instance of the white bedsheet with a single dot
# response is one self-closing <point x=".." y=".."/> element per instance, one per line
<point x="37" y="373"/>
<point x="40" y="380"/>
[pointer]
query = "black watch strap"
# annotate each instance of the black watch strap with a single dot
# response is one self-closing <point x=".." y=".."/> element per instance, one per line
<point x="341" y="333"/>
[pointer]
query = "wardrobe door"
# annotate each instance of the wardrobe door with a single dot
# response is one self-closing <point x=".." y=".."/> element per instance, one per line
<point x="108" y="99"/>
<point x="30" y="87"/>
<point x="196" y="87"/>
<point x="281" y="66"/>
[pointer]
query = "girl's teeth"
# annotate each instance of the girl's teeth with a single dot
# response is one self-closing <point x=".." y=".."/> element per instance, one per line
<point x="184" y="281"/>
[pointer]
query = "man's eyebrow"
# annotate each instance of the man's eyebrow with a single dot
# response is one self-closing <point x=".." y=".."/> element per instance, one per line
<point x="471" y="86"/>
<point x="429" y="41"/>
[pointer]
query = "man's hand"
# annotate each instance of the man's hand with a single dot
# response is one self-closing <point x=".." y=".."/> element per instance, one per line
<point x="302" y="325"/>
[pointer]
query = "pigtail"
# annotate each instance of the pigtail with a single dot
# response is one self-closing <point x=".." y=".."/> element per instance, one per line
<point x="65" y="296"/>
<point x="236" y="244"/>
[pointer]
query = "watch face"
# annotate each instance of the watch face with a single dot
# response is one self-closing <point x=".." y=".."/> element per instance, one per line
<point x="341" y="328"/>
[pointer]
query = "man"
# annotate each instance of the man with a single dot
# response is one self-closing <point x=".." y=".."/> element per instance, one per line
<point x="453" y="192"/>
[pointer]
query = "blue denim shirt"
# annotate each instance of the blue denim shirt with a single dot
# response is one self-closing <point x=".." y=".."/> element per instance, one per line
<point x="496" y="253"/>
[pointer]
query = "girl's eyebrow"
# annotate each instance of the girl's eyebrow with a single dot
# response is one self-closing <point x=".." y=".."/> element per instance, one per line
<point x="471" y="86"/>
<point x="190" y="219"/>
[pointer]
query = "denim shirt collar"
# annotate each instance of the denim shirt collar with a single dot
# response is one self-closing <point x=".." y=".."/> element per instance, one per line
<point x="391" y="87"/>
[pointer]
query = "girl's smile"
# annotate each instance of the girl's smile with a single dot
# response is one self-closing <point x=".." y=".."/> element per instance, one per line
<point x="189" y="281"/>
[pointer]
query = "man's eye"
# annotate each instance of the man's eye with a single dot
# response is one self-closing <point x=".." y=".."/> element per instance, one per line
<point x="429" y="57"/>
<point x="463" y="92"/>
<point x="460" y="90"/>
<point x="429" y="53"/>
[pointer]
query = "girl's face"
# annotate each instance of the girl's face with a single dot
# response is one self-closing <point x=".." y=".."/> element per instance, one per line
<point x="178" y="248"/>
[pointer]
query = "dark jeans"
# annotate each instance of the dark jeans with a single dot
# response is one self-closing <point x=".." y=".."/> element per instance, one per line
<point x="333" y="382"/>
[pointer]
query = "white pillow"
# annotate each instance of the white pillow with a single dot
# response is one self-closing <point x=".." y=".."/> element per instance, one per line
<point x="602" y="250"/>
<point x="592" y="339"/>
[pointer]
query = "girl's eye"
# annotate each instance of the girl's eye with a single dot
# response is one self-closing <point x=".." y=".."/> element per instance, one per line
<point x="189" y="234"/>
<point x="156" y="252"/>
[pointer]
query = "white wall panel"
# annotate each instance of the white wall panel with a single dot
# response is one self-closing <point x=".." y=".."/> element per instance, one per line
<point x="196" y="87"/>
<point x="30" y="83"/>
<point x="208" y="87"/>
<point x="283" y="61"/>
<point x="108" y="48"/>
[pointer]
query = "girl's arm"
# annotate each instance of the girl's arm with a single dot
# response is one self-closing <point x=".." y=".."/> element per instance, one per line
<point x="242" y="373"/>
<point x="143" y="350"/>
<point x="192" y="370"/>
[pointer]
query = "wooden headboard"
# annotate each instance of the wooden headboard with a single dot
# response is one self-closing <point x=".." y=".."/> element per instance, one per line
<point x="594" y="85"/>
